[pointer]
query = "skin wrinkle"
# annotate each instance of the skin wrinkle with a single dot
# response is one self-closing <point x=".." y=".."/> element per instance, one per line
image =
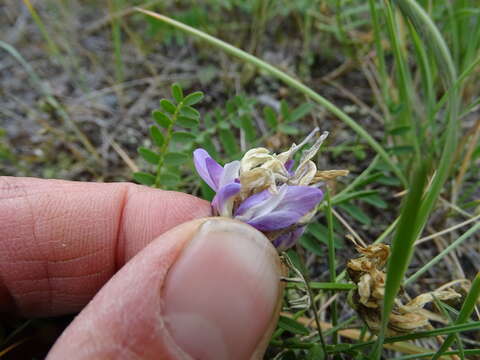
<point x="47" y="272"/>
<point x="54" y="262"/>
<point x="49" y="289"/>
<point x="123" y="206"/>
<point x="34" y="207"/>
<point x="69" y="277"/>
<point x="82" y="257"/>
<point x="53" y="212"/>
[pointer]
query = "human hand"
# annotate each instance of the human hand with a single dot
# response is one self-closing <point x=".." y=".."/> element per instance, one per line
<point x="186" y="287"/>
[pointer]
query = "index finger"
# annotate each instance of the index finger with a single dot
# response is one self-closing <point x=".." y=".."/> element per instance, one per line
<point x="60" y="241"/>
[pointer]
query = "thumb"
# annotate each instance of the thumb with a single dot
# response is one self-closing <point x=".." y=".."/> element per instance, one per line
<point x="207" y="289"/>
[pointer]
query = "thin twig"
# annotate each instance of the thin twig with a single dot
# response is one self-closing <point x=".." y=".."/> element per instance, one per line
<point x="349" y="228"/>
<point x="447" y="230"/>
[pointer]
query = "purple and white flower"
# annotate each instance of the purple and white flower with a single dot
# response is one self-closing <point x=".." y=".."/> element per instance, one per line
<point x="263" y="189"/>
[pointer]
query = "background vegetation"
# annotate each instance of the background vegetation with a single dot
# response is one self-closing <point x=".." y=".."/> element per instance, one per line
<point x="395" y="83"/>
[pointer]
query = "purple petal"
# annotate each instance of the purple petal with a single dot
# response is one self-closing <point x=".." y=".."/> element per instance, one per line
<point x="289" y="166"/>
<point x="215" y="171"/>
<point x="287" y="240"/>
<point x="274" y="221"/>
<point x="301" y="199"/>
<point x="223" y="201"/>
<point x="208" y="169"/>
<point x="231" y="173"/>
<point x="268" y="212"/>
<point x="251" y="201"/>
<point x="262" y="204"/>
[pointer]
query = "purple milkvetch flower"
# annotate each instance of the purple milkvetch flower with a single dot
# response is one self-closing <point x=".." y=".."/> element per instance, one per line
<point x="266" y="191"/>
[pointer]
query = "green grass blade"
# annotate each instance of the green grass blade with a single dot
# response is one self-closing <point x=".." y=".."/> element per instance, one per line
<point x="287" y="79"/>
<point x="446" y="314"/>
<point x="458" y="83"/>
<point x="430" y="354"/>
<point x="382" y="67"/>
<point x="472" y="231"/>
<point x="404" y="79"/>
<point x="332" y="262"/>
<point x="402" y="249"/>
<point x="465" y="312"/>
<point x="424" y="25"/>
<point x="427" y="79"/>
<point x="331" y="286"/>
<point x="43" y="29"/>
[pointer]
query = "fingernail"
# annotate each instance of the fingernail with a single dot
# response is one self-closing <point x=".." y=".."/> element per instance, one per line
<point x="220" y="295"/>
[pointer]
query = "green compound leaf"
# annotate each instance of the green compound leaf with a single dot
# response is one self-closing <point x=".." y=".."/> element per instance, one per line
<point x="376" y="201"/>
<point x="312" y="245"/>
<point x="169" y="179"/>
<point x="320" y="233"/>
<point x="229" y="142"/>
<point x="161" y="119"/>
<point x="168" y="106"/>
<point x="246" y="123"/>
<point x="355" y="212"/>
<point x="187" y="122"/>
<point x="177" y="92"/>
<point x="148" y="155"/>
<point x="144" y="178"/>
<point x="299" y="112"/>
<point x="193" y="98"/>
<point x="284" y="109"/>
<point x="157" y="136"/>
<point x="190" y="112"/>
<point x="292" y="326"/>
<point x="175" y="158"/>
<point x="183" y="137"/>
<point x="288" y="129"/>
<point x="270" y="117"/>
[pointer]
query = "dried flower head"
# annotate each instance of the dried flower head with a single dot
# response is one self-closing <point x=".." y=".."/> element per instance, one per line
<point x="266" y="191"/>
<point x="367" y="272"/>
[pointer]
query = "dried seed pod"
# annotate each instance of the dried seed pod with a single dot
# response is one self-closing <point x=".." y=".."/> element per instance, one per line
<point x="367" y="272"/>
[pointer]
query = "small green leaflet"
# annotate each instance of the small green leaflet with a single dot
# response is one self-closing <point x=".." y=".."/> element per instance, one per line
<point x="148" y="155"/>
<point x="193" y="98"/>
<point x="177" y="92"/>
<point x="168" y="106"/>
<point x="144" y="178"/>
<point x="175" y="158"/>
<point x="161" y="119"/>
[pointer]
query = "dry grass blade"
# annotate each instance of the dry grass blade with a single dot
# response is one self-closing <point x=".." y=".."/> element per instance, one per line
<point x="445" y="231"/>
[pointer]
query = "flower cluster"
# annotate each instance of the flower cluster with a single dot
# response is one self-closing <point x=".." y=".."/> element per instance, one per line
<point x="265" y="191"/>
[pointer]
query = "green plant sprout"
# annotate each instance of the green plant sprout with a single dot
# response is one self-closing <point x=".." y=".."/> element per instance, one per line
<point x="165" y="136"/>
